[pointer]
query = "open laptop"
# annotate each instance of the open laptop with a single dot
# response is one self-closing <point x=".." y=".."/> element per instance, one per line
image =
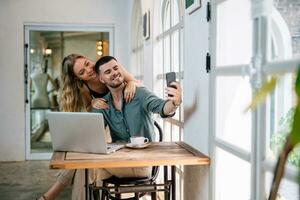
<point x="79" y="132"/>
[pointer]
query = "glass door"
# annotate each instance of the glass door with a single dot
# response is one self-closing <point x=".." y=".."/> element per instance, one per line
<point x="45" y="48"/>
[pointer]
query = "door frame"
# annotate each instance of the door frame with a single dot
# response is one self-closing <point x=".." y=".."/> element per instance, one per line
<point x="110" y="28"/>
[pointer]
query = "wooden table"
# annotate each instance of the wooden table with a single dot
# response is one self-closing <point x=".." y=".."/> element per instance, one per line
<point x="156" y="154"/>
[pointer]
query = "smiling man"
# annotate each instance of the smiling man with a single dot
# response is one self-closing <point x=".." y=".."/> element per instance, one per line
<point x="134" y="118"/>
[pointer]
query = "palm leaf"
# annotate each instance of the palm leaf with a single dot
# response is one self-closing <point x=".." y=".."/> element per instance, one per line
<point x="262" y="93"/>
<point x="297" y="84"/>
<point x="295" y="133"/>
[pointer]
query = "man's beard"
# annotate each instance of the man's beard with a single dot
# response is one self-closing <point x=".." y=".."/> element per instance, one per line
<point x="115" y="85"/>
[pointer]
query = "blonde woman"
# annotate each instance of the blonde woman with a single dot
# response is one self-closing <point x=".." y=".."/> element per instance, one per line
<point x="81" y="90"/>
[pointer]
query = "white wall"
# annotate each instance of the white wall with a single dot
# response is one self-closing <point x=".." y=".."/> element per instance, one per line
<point x="13" y="15"/>
<point x="196" y="80"/>
<point x="196" y="100"/>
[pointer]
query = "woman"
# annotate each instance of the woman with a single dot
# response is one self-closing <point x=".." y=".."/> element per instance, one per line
<point x="82" y="90"/>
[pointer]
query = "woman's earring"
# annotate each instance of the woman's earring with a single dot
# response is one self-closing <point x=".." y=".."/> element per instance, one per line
<point x="80" y="82"/>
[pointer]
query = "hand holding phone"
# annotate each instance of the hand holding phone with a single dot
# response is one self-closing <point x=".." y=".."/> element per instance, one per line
<point x="171" y="77"/>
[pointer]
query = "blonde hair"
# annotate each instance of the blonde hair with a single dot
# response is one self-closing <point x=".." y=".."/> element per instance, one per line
<point x="71" y="98"/>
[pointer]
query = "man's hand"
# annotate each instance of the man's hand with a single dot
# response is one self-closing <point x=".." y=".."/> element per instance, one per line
<point x="174" y="100"/>
<point x="175" y="93"/>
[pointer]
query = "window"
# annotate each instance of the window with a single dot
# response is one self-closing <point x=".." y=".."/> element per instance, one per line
<point x="245" y="145"/>
<point x="280" y="105"/>
<point x="168" y="56"/>
<point x="137" y="46"/>
<point x="234" y="38"/>
<point x="233" y="91"/>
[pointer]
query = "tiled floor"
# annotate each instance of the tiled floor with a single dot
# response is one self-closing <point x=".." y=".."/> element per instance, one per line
<point x="25" y="180"/>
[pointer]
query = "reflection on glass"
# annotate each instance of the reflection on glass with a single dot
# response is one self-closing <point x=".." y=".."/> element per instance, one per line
<point x="159" y="90"/>
<point x="281" y="107"/>
<point x="288" y="190"/>
<point x="234" y="36"/>
<point x="181" y="108"/>
<point x="167" y="17"/>
<point x="175" y="12"/>
<point x="46" y="52"/>
<point x="181" y="50"/>
<point x="167" y="131"/>
<point x="232" y="177"/>
<point x="175" y="51"/>
<point x="167" y="54"/>
<point x="175" y="133"/>
<point x="158" y="59"/>
<point x="137" y="48"/>
<point x="232" y="124"/>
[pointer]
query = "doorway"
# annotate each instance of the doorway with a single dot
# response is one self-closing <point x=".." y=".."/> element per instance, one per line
<point x="45" y="47"/>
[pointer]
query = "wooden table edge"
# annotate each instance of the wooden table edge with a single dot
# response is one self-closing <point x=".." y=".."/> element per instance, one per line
<point x="58" y="161"/>
<point x="192" y="150"/>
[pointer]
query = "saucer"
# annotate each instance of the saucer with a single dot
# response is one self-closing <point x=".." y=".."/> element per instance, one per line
<point x="130" y="145"/>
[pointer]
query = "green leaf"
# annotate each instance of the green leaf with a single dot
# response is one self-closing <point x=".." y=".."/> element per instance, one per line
<point x="295" y="134"/>
<point x="297" y="84"/>
<point x="262" y="93"/>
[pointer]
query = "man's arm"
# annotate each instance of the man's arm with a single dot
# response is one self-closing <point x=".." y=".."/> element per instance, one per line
<point x="165" y="108"/>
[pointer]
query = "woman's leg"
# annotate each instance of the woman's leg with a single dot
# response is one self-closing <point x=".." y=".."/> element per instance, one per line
<point x="53" y="191"/>
<point x="95" y="176"/>
<point x="64" y="178"/>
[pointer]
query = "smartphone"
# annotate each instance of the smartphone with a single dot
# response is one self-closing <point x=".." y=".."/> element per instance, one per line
<point x="171" y="77"/>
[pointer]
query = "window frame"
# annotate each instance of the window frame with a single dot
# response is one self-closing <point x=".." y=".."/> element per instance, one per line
<point x="160" y="37"/>
<point x="258" y="69"/>
<point x="159" y="74"/>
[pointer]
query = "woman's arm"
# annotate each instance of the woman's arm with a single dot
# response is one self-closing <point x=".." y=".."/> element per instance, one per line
<point x="130" y="88"/>
<point x="89" y="102"/>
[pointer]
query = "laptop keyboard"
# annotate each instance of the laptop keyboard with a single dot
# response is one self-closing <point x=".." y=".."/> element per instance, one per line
<point x="114" y="146"/>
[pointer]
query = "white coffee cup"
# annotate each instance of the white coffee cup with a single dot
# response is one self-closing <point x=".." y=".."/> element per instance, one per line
<point x="138" y="140"/>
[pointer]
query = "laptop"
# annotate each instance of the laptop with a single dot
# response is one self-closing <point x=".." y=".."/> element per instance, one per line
<point x="79" y="132"/>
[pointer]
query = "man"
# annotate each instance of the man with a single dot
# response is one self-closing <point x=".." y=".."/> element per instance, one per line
<point x="122" y="117"/>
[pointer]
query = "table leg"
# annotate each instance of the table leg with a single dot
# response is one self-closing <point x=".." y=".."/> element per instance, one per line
<point x="166" y="178"/>
<point x="173" y="178"/>
<point x="86" y="184"/>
